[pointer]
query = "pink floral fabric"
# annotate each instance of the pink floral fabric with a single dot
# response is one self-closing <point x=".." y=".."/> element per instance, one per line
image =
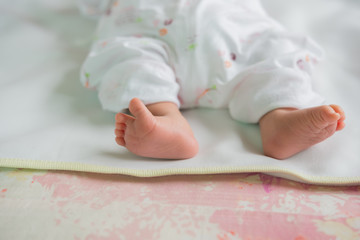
<point x="72" y="205"/>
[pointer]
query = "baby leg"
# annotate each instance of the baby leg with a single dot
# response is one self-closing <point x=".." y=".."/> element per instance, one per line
<point x="287" y="131"/>
<point x="157" y="130"/>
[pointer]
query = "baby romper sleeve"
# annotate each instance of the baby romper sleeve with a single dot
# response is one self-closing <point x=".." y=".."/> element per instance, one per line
<point x="121" y="68"/>
<point x="278" y="74"/>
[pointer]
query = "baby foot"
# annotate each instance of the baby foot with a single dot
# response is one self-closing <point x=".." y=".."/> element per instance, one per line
<point x="165" y="136"/>
<point x="285" y="132"/>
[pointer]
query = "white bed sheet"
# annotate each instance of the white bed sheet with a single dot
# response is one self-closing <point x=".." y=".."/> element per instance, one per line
<point x="48" y="121"/>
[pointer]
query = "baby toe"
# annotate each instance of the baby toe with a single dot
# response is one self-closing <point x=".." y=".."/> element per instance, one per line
<point x="339" y="110"/>
<point x="120" y="141"/>
<point x="120" y="118"/>
<point x="124" y="118"/>
<point x="340" y="126"/>
<point x="327" y="114"/>
<point x="120" y="126"/>
<point x="119" y="133"/>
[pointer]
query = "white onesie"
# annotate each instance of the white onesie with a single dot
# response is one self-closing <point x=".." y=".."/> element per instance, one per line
<point x="206" y="53"/>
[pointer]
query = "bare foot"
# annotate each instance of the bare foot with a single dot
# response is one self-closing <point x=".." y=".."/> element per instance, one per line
<point x="285" y="131"/>
<point x="158" y="131"/>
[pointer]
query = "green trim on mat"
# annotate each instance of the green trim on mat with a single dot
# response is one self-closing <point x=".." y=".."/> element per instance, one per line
<point x="72" y="166"/>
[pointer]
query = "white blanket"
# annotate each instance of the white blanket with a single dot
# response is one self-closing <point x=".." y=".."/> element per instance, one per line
<point x="48" y="121"/>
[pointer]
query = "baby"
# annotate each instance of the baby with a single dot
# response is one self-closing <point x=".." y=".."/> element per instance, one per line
<point x="155" y="57"/>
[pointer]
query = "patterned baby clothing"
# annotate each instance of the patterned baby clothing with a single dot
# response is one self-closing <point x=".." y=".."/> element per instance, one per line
<point x="198" y="53"/>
